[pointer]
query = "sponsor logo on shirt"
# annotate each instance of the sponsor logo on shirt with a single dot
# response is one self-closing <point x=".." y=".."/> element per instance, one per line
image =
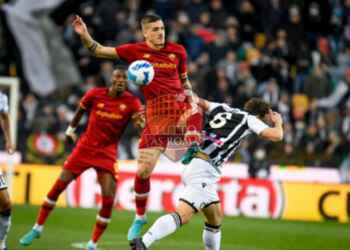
<point x="122" y="107"/>
<point x="172" y="56"/>
<point x="164" y="65"/>
<point x="109" y="115"/>
<point x="146" y="56"/>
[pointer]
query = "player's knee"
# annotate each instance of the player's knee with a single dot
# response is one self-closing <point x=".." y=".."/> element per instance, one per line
<point x="109" y="190"/>
<point x="107" y="206"/>
<point x="67" y="176"/>
<point x="5" y="206"/>
<point x="144" y="172"/>
<point x="5" y="203"/>
<point x="185" y="217"/>
<point x="216" y="219"/>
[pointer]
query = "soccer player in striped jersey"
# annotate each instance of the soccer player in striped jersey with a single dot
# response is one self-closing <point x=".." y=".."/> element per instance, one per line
<point x="225" y="128"/>
<point x="5" y="203"/>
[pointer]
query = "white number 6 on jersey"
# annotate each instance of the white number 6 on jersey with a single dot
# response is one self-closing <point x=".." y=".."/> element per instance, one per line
<point x="220" y="120"/>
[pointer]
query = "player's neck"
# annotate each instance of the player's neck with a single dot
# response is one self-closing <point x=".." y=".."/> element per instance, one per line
<point x="155" y="46"/>
<point x="113" y="94"/>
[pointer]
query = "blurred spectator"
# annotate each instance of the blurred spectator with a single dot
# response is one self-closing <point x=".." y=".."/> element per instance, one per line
<point x="317" y="84"/>
<point x="249" y="21"/>
<point x="339" y="96"/>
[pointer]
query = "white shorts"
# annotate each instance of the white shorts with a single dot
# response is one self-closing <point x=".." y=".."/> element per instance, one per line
<point x="200" y="195"/>
<point x="3" y="181"/>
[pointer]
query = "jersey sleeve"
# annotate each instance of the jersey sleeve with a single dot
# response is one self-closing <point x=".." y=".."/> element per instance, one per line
<point x="87" y="100"/>
<point x="183" y="63"/>
<point x="126" y="52"/>
<point x="256" y="125"/>
<point x="4" y="104"/>
<point x="214" y="105"/>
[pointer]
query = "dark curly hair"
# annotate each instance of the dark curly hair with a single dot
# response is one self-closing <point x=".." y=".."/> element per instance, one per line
<point x="257" y="107"/>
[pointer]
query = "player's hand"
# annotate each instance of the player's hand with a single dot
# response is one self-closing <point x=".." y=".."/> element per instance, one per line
<point x="276" y="118"/>
<point x="71" y="136"/>
<point x="79" y="26"/>
<point x="139" y="119"/>
<point x="9" y="148"/>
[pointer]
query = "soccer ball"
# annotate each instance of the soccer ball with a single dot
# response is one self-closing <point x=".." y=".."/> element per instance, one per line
<point x="140" y="72"/>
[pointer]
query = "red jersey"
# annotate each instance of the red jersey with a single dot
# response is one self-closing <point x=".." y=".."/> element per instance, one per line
<point x="108" y="118"/>
<point x="168" y="63"/>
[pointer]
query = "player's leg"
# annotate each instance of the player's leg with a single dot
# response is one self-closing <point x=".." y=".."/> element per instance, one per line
<point x="146" y="162"/>
<point x="211" y="232"/>
<point x="48" y="205"/>
<point x="164" y="226"/>
<point x="5" y="214"/>
<point x="108" y="186"/>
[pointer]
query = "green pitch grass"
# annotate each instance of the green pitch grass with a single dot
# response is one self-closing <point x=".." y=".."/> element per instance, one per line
<point x="69" y="228"/>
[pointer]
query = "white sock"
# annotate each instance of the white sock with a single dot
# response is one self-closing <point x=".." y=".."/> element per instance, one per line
<point x="38" y="227"/>
<point x="140" y="217"/>
<point x="211" y="237"/>
<point x="91" y="243"/>
<point x="164" y="226"/>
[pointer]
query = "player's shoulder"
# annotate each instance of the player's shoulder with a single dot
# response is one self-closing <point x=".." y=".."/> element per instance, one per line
<point x="175" y="46"/>
<point x="97" y="91"/>
<point x="131" y="46"/>
<point x="129" y="95"/>
<point x="136" y="45"/>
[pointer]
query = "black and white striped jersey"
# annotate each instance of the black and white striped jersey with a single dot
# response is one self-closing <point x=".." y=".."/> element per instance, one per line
<point x="224" y="130"/>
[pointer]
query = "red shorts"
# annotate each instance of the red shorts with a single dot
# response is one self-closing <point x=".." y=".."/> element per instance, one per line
<point x="166" y="120"/>
<point x="83" y="158"/>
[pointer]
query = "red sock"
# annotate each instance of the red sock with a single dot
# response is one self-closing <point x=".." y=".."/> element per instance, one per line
<point x="142" y="187"/>
<point x="103" y="218"/>
<point x="49" y="204"/>
<point x="99" y="228"/>
<point x="44" y="212"/>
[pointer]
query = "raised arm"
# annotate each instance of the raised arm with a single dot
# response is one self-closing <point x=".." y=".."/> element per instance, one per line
<point x="93" y="46"/>
<point x="274" y="133"/>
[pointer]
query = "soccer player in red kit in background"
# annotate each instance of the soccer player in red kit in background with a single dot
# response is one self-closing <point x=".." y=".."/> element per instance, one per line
<point x="165" y="99"/>
<point x="110" y="110"/>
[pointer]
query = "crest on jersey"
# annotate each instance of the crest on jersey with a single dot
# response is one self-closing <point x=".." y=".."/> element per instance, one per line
<point x="100" y="105"/>
<point x="172" y="56"/>
<point x="122" y="107"/>
<point x="146" y="56"/>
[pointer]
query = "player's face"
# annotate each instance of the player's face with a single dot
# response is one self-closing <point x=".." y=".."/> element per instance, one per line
<point x="154" y="33"/>
<point x="119" y="80"/>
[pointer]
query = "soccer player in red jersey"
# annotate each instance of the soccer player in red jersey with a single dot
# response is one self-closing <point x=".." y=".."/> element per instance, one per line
<point x="110" y="109"/>
<point x="163" y="99"/>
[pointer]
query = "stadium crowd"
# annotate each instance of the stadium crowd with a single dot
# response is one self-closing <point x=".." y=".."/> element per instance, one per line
<point x="294" y="54"/>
